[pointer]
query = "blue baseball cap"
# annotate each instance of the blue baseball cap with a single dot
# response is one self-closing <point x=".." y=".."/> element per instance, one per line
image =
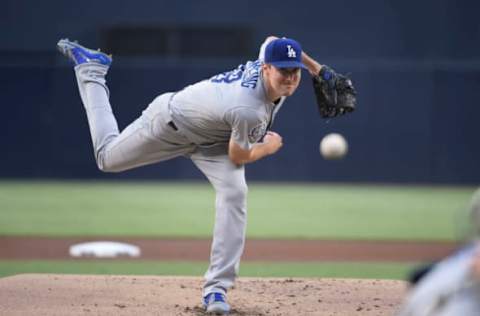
<point x="284" y="53"/>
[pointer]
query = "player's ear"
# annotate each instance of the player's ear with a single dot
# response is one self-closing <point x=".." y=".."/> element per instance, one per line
<point x="266" y="66"/>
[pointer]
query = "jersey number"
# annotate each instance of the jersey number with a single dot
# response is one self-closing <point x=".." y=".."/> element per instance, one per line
<point x="230" y="76"/>
<point x="249" y="74"/>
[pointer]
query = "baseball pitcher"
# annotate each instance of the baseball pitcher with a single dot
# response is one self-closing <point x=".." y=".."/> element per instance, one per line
<point x="221" y="124"/>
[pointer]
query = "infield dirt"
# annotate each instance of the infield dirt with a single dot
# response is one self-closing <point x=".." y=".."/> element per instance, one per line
<point x="43" y="248"/>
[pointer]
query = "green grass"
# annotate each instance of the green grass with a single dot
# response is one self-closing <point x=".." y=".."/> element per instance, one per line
<point x="176" y="209"/>
<point x="324" y="270"/>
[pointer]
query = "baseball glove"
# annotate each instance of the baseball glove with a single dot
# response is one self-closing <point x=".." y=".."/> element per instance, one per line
<point x="335" y="93"/>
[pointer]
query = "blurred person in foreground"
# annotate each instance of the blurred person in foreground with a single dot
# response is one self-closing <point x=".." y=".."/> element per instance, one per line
<point x="450" y="287"/>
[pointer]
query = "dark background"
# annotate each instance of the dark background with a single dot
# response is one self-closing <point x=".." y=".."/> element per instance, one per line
<point x="416" y="65"/>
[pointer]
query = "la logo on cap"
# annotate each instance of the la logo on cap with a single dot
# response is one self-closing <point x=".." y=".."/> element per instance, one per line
<point x="284" y="53"/>
<point x="291" y="52"/>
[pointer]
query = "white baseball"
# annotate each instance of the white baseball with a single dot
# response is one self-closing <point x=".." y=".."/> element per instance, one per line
<point x="333" y="146"/>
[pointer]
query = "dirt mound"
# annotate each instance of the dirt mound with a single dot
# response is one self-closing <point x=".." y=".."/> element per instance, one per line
<point x="53" y="294"/>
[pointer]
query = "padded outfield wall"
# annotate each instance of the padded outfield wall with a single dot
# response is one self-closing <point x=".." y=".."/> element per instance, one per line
<point x="416" y="67"/>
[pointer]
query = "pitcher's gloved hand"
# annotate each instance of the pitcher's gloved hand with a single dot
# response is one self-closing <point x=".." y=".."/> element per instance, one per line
<point x="335" y="93"/>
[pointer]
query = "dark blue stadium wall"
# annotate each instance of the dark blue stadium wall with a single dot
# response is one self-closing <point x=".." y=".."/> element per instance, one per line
<point x="416" y="65"/>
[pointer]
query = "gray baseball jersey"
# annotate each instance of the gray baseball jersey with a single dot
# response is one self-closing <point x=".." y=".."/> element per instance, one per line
<point x="231" y="104"/>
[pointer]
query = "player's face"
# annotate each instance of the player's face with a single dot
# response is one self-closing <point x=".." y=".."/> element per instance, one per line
<point x="283" y="81"/>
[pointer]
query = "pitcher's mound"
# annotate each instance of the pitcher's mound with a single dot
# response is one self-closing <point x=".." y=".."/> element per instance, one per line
<point x="52" y="294"/>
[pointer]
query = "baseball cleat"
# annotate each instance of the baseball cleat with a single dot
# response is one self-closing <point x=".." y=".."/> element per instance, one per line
<point x="215" y="303"/>
<point x="81" y="55"/>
